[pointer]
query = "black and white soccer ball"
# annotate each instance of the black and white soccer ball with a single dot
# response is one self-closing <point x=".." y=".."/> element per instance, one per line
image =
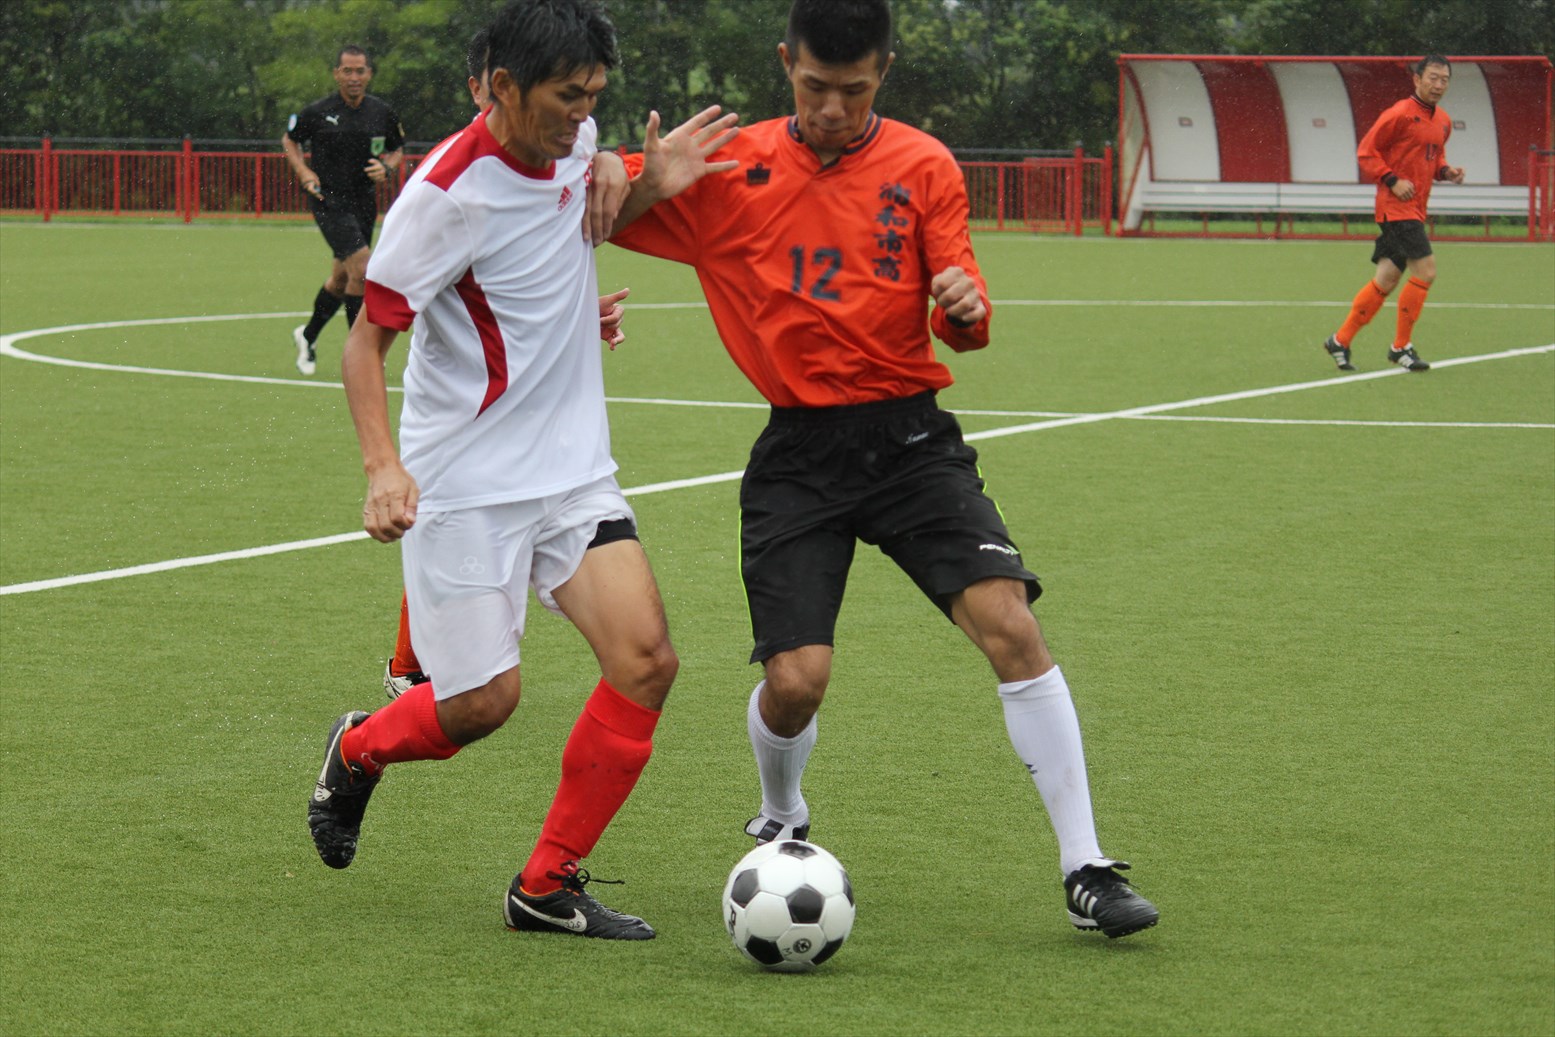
<point x="788" y="905"/>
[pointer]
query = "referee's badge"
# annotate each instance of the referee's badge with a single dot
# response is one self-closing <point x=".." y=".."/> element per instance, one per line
<point x="377" y="146"/>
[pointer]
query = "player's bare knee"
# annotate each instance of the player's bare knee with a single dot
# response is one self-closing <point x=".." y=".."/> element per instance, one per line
<point x="646" y="678"/>
<point x="787" y="707"/>
<point x="474" y="714"/>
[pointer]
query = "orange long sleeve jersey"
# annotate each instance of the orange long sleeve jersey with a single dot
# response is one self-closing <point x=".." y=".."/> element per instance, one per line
<point x="1408" y="141"/>
<point x="818" y="278"/>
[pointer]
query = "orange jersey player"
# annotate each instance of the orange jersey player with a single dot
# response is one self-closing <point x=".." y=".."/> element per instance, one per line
<point x="817" y="275"/>
<point x="819" y="257"/>
<point x="1404" y="153"/>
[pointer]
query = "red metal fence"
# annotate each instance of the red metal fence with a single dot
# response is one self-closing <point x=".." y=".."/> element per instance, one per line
<point x="182" y="184"/>
<point x="1541" y="195"/>
<point x="1043" y="195"/>
<point x="1067" y="195"/>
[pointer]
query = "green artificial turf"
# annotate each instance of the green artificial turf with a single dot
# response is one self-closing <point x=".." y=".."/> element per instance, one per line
<point x="1313" y="658"/>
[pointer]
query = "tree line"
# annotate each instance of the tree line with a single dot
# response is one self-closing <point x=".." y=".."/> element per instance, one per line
<point x="979" y="74"/>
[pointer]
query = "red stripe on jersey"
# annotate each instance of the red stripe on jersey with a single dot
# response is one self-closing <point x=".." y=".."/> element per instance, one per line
<point x="473" y="142"/>
<point x="496" y="350"/>
<point x="388" y="308"/>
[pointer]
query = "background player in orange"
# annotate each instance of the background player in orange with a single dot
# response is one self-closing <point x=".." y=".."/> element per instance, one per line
<point x="819" y="258"/>
<point x="1404" y="152"/>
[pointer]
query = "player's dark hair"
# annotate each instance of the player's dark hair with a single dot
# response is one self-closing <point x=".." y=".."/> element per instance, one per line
<point x="1432" y="59"/>
<point x="536" y="40"/>
<point x="840" y="32"/>
<point x="352" y="49"/>
<point x="480" y="49"/>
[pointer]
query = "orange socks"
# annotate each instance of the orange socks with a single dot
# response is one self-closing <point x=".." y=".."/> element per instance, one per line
<point x="606" y="752"/>
<point x="1368" y="301"/>
<point x="405" y="729"/>
<point x="405" y="660"/>
<point x="1410" y="302"/>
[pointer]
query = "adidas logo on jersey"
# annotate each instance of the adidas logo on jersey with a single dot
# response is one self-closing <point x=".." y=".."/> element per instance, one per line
<point x="565" y="198"/>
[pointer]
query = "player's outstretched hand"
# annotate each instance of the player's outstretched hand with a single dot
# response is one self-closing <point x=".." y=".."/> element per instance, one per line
<point x="678" y="159"/>
<point x="956" y="293"/>
<point x="608" y="187"/>
<point x="611" y="313"/>
<point x="390" y="507"/>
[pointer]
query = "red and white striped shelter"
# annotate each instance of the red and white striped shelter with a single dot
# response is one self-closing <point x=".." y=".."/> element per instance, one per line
<point x="1277" y="135"/>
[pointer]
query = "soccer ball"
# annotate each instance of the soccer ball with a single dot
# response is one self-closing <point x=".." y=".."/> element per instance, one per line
<point x="788" y="905"/>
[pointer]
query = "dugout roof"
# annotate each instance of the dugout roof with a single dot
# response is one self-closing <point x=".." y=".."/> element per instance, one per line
<point x="1267" y="119"/>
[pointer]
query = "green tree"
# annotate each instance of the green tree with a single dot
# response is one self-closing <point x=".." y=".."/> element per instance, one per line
<point x="1015" y="74"/>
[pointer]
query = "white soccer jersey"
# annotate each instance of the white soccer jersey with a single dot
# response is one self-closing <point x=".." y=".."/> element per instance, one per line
<point x="485" y="258"/>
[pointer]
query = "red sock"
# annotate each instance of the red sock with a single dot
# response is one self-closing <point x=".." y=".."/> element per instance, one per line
<point x="1410" y="302"/>
<point x="606" y="752"/>
<point x="405" y="660"/>
<point x="405" y="729"/>
<point x="1368" y="301"/>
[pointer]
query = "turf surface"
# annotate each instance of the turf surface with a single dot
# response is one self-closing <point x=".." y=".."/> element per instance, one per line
<point x="1313" y="657"/>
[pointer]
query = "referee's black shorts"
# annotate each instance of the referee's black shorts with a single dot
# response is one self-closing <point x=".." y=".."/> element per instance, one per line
<point x="347" y="221"/>
<point x="895" y="474"/>
<point x="1399" y="241"/>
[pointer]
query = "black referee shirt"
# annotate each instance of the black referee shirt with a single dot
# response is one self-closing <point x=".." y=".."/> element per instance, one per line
<point x="345" y="138"/>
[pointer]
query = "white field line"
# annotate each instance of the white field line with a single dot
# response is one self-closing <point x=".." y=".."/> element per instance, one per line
<point x="1249" y="394"/>
<point x="8" y="348"/>
<point x="1202" y="419"/>
<point x="294" y="545"/>
<point x="8" y="342"/>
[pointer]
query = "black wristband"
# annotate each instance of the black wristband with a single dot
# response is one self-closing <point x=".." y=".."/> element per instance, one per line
<point x="1389" y="180"/>
<point x="957" y="323"/>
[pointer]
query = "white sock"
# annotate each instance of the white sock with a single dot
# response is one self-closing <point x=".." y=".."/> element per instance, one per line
<point x="780" y="762"/>
<point x="1039" y="716"/>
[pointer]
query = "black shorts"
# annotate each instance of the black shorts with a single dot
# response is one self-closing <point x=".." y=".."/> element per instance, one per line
<point x="347" y="222"/>
<point x="895" y="474"/>
<point x="1400" y="241"/>
<point x="611" y="530"/>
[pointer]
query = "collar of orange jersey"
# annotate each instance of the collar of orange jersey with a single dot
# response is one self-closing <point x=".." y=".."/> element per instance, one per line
<point x="866" y="136"/>
<point x="1427" y="105"/>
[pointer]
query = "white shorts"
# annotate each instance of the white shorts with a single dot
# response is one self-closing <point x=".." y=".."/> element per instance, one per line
<point x="468" y="574"/>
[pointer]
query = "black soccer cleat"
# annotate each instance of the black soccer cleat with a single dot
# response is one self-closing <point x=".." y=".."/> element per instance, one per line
<point x="1100" y="898"/>
<point x="1340" y="354"/>
<point x="339" y="798"/>
<point x="766" y="830"/>
<point x="569" y="910"/>
<point x="1407" y="358"/>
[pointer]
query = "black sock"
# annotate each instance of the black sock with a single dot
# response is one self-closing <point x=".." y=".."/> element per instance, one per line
<point x="353" y="307"/>
<point x="324" y="306"/>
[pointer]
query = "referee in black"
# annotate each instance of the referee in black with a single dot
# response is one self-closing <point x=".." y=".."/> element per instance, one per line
<point x="356" y="140"/>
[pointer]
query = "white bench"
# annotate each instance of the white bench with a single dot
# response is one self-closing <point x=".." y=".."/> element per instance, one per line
<point x="1446" y="199"/>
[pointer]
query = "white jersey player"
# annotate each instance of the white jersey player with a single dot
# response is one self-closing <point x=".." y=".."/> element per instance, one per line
<point x="505" y="480"/>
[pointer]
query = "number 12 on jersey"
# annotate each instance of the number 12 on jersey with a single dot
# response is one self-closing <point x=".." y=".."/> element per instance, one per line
<point x="829" y="260"/>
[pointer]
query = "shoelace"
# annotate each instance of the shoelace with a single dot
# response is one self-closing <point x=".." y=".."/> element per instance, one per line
<point x="1101" y="881"/>
<point x="574" y="877"/>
